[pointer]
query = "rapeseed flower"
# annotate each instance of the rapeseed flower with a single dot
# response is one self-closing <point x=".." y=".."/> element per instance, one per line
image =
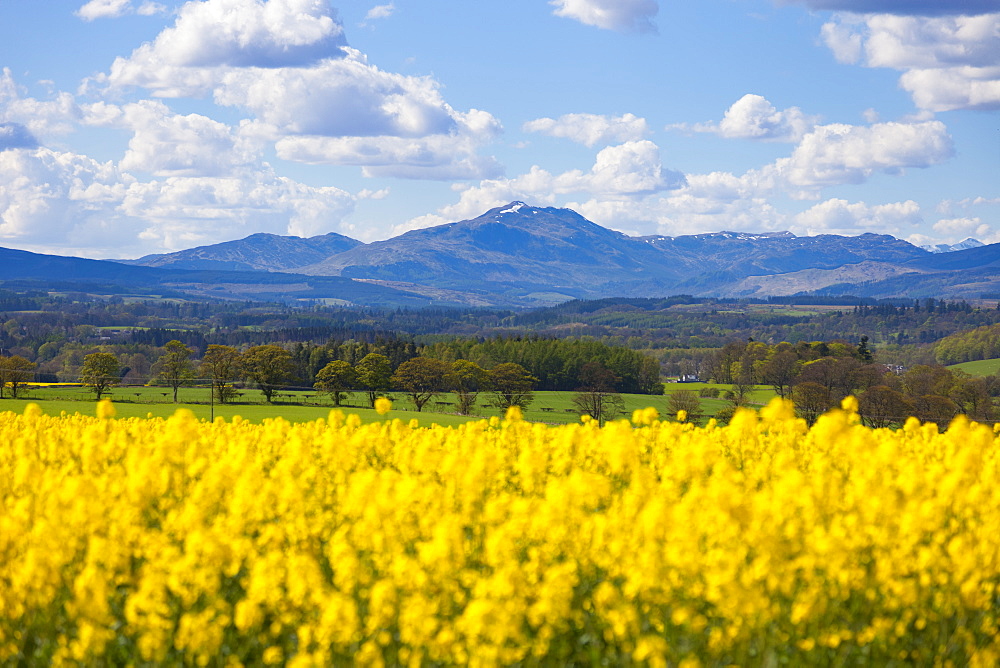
<point x="498" y="542"/>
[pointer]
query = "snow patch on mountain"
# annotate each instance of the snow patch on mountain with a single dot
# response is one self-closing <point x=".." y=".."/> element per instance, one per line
<point x="950" y="248"/>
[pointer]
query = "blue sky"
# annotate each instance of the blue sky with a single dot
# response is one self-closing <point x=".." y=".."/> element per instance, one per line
<point x="136" y="126"/>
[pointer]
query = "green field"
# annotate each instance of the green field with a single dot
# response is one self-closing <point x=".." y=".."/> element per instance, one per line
<point x="978" y="368"/>
<point x="303" y="406"/>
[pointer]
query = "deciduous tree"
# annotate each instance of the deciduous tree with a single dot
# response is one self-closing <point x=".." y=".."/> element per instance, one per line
<point x="268" y="367"/>
<point x="222" y="365"/>
<point x="511" y="385"/>
<point x="687" y="401"/>
<point x="175" y="367"/>
<point x="422" y="378"/>
<point x="100" y="373"/>
<point x="15" y="371"/>
<point x="335" y="379"/>
<point x="374" y="371"/>
<point x="597" y="397"/>
<point x="466" y="379"/>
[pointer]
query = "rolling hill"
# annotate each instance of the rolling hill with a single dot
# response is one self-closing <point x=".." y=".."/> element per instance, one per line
<point x="522" y="255"/>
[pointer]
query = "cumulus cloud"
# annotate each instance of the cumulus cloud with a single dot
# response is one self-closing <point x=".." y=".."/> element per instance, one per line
<point x="168" y="144"/>
<point x="838" y="216"/>
<point x="345" y="97"/>
<point x="903" y="7"/>
<point x="52" y="200"/>
<point x="629" y="169"/>
<point x="620" y="173"/>
<point x="591" y="129"/>
<point x="619" y="15"/>
<point x="442" y="157"/>
<point x="109" y="9"/>
<point x="947" y="62"/>
<point x="331" y="107"/>
<point x="753" y="117"/>
<point x="958" y="229"/>
<point x="844" y="154"/>
<point x="47" y="197"/>
<point x="230" y="33"/>
<point x="43" y="119"/>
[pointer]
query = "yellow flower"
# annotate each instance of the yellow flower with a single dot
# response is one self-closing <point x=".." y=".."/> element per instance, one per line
<point x="382" y="405"/>
<point x="105" y="409"/>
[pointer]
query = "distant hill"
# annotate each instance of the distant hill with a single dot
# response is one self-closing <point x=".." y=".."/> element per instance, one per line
<point x="23" y="270"/>
<point x="257" y="252"/>
<point x="516" y="249"/>
<point x="549" y="253"/>
<point x="522" y="255"/>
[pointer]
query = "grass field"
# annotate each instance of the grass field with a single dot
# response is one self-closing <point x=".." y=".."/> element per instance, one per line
<point x="304" y="406"/>
<point x="978" y="368"/>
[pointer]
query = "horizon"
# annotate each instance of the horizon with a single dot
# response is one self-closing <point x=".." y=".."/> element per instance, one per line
<point x="744" y="233"/>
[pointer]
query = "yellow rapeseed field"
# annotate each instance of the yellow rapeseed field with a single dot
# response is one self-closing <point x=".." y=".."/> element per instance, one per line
<point x="762" y="543"/>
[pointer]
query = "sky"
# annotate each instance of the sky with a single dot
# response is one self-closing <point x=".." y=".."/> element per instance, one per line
<point x="130" y="127"/>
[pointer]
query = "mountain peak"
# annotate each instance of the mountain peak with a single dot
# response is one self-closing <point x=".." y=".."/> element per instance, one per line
<point x="513" y="207"/>
<point x="949" y="248"/>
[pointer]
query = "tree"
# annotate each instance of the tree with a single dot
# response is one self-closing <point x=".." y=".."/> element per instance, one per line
<point x="687" y="401"/>
<point x="935" y="408"/>
<point x="100" y="373"/>
<point x="336" y="378"/>
<point x="374" y="371"/>
<point x="222" y="365"/>
<point x="175" y="367"/>
<point x="881" y="406"/>
<point x="780" y="369"/>
<point x="811" y="400"/>
<point x="973" y="396"/>
<point x="511" y="385"/>
<point x="15" y="371"/>
<point x="597" y="397"/>
<point x="268" y="367"/>
<point x="422" y="378"/>
<point x="466" y="379"/>
<point x="864" y="352"/>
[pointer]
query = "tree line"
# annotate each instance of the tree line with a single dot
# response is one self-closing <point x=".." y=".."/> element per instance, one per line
<point x="817" y="376"/>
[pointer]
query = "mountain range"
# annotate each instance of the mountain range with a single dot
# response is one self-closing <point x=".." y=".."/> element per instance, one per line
<point x="519" y="255"/>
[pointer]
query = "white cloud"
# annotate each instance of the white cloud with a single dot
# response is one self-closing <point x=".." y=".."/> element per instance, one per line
<point x="632" y="168"/>
<point x="620" y="174"/>
<point x="109" y="9"/>
<point x="592" y="129"/>
<point x="53" y="200"/>
<point x="380" y="12"/>
<point x="150" y="8"/>
<point x="230" y="33"/>
<point x="838" y="216"/>
<point x="948" y="62"/>
<point x="620" y="15"/>
<point x="339" y="98"/>
<point x="180" y="212"/>
<point x="334" y="110"/>
<point x="753" y="117"/>
<point x="168" y="144"/>
<point x="43" y="119"/>
<point x="842" y="154"/>
<point x="98" y="9"/>
<point x="843" y="38"/>
<point x="48" y="198"/>
<point x="959" y="229"/>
